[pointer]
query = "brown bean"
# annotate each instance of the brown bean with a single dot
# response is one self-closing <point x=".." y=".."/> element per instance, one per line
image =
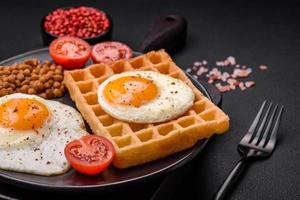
<point x="25" y="82"/>
<point x="21" y="66"/>
<point x="24" y="88"/>
<point x="10" y="90"/>
<point x="13" y="86"/>
<point x="47" y="62"/>
<point x="39" y="86"/>
<point x="11" y="78"/>
<point x="5" y="79"/>
<point x="26" y="72"/>
<point x="58" y="71"/>
<point x="56" y="84"/>
<point x="34" y="77"/>
<point x="58" y="77"/>
<point x="32" y="62"/>
<point x="31" y="91"/>
<point x="47" y="85"/>
<point x="57" y="92"/>
<point x="5" y="84"/>
<point x="59" y="67"/>
<point x="49" y="93"/>
<point x="15" y="71"/>
<point x="43" y="95"/>
<point x="6" y="71"/>
<point x="43" y="79"/>
<point x="43" y="70"/>
<point x="18" y="83"/>
<point x="36" y="71"/>
<point x="3" y="92"/>
<point x="13" y="67"/>
<point x="20" y="76"/>
<point x="53" y="67"/>
<point x="50" y="73"/>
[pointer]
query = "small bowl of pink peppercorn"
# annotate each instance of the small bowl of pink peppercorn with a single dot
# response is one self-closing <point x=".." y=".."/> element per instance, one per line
<point x="90" y="24"/>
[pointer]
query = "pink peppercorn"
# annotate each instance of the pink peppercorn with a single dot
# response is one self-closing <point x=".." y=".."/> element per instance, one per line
<point x="82" y="22"/>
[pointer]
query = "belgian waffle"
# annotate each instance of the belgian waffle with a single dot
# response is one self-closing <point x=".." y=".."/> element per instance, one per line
<point x="140" y="143"/>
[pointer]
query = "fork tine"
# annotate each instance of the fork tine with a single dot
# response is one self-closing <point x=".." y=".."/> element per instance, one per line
<point x="263" y="139"/>
<point x="259" y="131"/>
<point x="249" y="134"/>
<point x="272" y="141"/>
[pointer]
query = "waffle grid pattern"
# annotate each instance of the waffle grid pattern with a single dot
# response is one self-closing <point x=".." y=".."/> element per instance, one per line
<point x="139" y="143"/>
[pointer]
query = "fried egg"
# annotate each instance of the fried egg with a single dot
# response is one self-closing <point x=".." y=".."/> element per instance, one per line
<point x="144" y="97"/>
<point x="34" y="132"/>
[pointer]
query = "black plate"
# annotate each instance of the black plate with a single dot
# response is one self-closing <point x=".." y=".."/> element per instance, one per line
<point x="111" y="177"/>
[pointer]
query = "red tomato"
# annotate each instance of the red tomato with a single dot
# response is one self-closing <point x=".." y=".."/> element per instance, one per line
<point x="90" y="154"/>
<point x="110" y="51"/>
<point x="70" y="52"/>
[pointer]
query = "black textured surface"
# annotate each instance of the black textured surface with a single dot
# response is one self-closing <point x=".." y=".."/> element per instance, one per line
<point x="252" y="31"/>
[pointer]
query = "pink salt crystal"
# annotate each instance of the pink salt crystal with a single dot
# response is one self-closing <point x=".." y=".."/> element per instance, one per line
<point x="194" y="68"/>
<point x="210" y="80"/>
<point x="263" y="67"/>
<point x="237" y="66"/>
<point x="232" y="87"/>
<point x="249" y="84"/>
<point x="232" y="81"/>
<point x="244" y="67"/>
<point x="220" y="63"/>
<point x="201" y="71"/>
<point x="204" y="62"/>
<point x="215" y="73"/>
<point x="241" y="72"/>
<point x="231" y="60"/>
<point x="197" y="63"/>
<point x="225" y="76"/>
<point x="188" y="70"/>
<point x="242" y="86"/>
<point x="222" y="88"/>
<point x="226" y="62"/>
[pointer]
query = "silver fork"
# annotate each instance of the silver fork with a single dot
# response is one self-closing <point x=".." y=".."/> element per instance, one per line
<point x="259" y="142"/>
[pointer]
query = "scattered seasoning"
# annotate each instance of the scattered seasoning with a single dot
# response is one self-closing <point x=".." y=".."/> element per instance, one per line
<point x="225" y="79"/>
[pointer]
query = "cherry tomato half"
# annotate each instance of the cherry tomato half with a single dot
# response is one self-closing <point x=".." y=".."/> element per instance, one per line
<point x="70" y="52"/>
<point x="110" y="51"/>
<point x="90" y="154"/>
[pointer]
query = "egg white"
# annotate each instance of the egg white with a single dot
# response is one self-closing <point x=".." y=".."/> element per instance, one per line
<point x="46" y="157"/>
<point x="175" y="98"/>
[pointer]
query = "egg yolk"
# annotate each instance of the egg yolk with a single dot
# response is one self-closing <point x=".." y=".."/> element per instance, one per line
<point x="23" y="114"/>
<point x="130" y="91"/>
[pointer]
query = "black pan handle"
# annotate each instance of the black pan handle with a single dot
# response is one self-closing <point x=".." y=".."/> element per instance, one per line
<point x="167" y="32"/>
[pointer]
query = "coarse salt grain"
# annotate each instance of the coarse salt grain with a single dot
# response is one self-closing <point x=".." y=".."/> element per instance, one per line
<point x="225" y="76"/>
<point x="202" y="70"/>
<point x="220" y="63"/>
<point x="188" y="70"/>
<point x="242" y="86"/>
<point x="263" y="67"/>
<point x="223" y="88"/>
<point x="231" y="60"/>
<point x="249" y="84"/>
<point x="197" y="63"/>
<point x="241" y="72"/>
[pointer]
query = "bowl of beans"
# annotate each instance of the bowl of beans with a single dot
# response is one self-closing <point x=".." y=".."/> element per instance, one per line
<point x="90" y="24"/>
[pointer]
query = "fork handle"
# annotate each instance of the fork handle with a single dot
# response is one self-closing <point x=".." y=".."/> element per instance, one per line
<point x="231" y="179"/>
